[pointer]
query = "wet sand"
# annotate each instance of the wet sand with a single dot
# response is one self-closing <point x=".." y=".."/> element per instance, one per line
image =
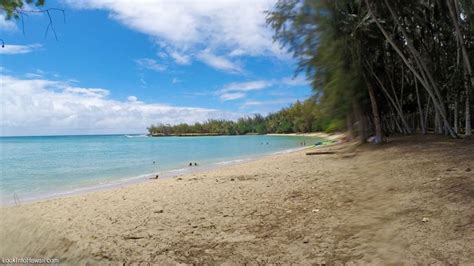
<point x="407" y="201"/>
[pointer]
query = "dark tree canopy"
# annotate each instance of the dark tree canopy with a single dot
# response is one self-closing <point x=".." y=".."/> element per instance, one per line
<point x="387" y="66"/>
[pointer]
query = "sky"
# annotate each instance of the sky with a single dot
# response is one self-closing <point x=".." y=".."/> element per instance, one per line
<point x="119" y="66"/>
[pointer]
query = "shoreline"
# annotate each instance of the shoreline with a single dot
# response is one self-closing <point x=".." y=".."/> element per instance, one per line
<point x="144" y="178"/>
<point x="328" y="136"/>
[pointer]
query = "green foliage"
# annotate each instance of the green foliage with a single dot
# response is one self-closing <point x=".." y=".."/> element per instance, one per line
<point x="318" y="33"/>
<point x="335" y="125"/>
<point x="11" y="8"/>
<point x="389" y="48"/>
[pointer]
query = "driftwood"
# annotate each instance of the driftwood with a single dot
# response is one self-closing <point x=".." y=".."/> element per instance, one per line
<point x="133" y="237"/>
<point x="319" y="152"/>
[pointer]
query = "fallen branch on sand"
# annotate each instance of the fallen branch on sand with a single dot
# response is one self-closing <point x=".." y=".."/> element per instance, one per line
<point x="319" y="152"/>
<point x="133" y="237"/>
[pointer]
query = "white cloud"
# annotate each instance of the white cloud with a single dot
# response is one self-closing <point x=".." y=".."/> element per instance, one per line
<point x="246" y="86"/>
<point x="33" y="75"/>
<point x="295" y="81"/>
<point x="132" y="98"/>
<point x="39" y="106"/>
<point x="150" y="64"/>
<point x="143" y="82"/>
<point x="219" y="62"/>
<point x="251" y="103"/>
<point x="7" y="25"/>
<point x="238" y="90"/>
<point x="180" y="59"/>
<point x="227" y="28"/>
<point x="87" y="92"/>
<point x="232" y="96"/>
<point x="19" y="49"/>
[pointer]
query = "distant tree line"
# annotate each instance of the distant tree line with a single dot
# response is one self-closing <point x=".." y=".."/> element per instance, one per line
<point x="300" y="117"/>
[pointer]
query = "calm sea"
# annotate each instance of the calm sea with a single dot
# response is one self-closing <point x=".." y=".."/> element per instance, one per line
<point x="39" y="167"/>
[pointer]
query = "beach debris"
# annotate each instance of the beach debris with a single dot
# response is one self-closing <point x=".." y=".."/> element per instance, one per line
<point x="319" y="152"/>
<point x="315" y="210"/>
<point x="232" y="179"/>
<point x="372" y="139"/>
<point x="349" y="155"/>
<point x="468" y="169"/>
<point x="133" y="237"/>
<point x="158" y="211"/>
<point x="425" y="220"/>
<point x="450" y="169"/>
<point x="305" y="240"/>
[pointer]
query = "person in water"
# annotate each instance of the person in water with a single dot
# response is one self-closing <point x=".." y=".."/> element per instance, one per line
<point x="190" y="164"/>
<point x="195" y="164"/>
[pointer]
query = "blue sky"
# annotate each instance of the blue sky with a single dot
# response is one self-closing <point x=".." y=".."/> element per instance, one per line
<point x="119" y="66"/>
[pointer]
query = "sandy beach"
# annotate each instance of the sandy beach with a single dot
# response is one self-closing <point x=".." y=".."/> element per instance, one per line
<point x="408" y="201"/>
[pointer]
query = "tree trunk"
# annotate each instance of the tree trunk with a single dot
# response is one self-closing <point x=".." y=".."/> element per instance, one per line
<point x="468" y="130"/>
<point x="428" y="84"/>
<point x="456" y="110"/>
<point x="375" y="113"/>
<point x="400" y="130"/>
<point x="349" y="125"/>
<point x="467" y="65"/>
<point x="360" y="122"/>
<point x="395" y="104"/>
<point x="427" y="111"/>
<point x="418" y="60"/>
<point x="438" y="123"/>
<point x="420" y="111"/>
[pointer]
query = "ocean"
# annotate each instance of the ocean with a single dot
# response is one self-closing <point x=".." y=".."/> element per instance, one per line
<point x="41" y="167"/>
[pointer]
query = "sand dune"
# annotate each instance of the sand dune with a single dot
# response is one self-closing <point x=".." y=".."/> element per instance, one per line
<point x="408" y="201"/>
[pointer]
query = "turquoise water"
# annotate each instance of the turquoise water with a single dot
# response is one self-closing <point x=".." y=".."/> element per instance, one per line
<point x="38" y="167"/>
